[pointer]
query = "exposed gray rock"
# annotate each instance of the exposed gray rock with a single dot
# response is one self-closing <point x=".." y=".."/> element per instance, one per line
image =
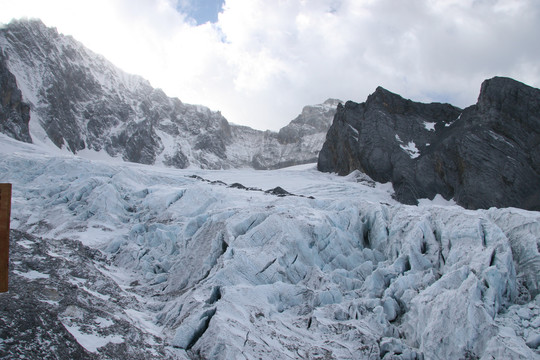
<point x="314" y="119"/>
<point x="14" y="113"/>
<point x="59" y="301"/>
<point x="485" y="155"/>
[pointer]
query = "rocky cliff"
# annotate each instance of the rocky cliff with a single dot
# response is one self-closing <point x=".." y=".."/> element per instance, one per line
<point x="14" y="113"/>
<point x="79" y="101"/>
<point x="487" y="155"/>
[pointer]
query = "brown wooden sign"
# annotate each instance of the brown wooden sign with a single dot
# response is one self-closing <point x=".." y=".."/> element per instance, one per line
<point x="5" y="214"/>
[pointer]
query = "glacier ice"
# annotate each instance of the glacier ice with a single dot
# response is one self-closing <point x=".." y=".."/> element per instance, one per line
<point x="226" y="273"/>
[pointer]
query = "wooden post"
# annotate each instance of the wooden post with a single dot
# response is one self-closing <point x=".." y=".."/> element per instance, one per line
<point x="5" y="214"/>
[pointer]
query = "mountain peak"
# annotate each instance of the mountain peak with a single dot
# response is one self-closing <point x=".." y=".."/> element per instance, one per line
<point x="384" y="97"/>
<point x="32" y="25"/>
<point x="508" y="95"/>
<point x="332" y="102"/>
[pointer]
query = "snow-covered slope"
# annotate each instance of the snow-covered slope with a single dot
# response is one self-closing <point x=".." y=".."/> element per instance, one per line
<point x="209" y="264"/>
<point x="82" y="103"/>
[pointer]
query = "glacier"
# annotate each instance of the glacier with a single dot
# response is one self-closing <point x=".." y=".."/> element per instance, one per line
<point x="134" y="259"/>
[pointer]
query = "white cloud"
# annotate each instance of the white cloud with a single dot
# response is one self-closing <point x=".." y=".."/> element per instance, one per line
<point x="264" y="60"/>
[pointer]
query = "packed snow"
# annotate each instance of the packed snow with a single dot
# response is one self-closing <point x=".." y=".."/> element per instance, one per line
<point x="290" y="263"/>
<point x="429" y="125"/>
<point x="410" y="148"/>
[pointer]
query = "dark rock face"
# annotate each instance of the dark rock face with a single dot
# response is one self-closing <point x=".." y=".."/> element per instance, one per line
<point x="487" y="155"/>
<point x="14" y="113"/>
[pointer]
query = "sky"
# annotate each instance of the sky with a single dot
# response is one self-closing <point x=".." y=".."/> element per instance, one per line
<point x="201" y="11"/>
<point x="260" y="62"/>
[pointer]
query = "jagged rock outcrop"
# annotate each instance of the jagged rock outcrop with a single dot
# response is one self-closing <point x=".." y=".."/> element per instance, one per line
<point x="80" y="101"/>
<point x="487" y="155"/>
<point x="14" y="113"/>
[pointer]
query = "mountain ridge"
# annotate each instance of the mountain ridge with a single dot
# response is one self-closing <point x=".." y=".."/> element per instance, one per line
<point x="80" y="101"/>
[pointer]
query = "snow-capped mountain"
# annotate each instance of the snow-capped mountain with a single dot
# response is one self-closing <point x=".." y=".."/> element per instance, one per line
<point x="485" y="155"/>
<point x="297" y="143"/>
<point x="116" y="261"/>
<point x="80" y="102"/>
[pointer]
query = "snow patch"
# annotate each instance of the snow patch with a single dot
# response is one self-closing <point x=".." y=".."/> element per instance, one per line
<point x="430" y="126"/>
<point x="32" y="274"/>
<point x="411" y="149"/>
<point x="104" y="323"/>
<point x="356" y="133"/>
<point x="92" y="341"/>
<point x="450" y="123"/>
<point x="95" y="293"/>
<point x="438" y="200"/>
<point x="144" y="322"/>
<point x="26" y="244"/>
<point x="98" y="155"/>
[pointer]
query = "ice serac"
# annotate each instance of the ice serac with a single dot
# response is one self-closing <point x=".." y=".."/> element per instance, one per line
<point x="14" y="112"/>
<point x="79" y="101"/>
<point x="487" y="155"/>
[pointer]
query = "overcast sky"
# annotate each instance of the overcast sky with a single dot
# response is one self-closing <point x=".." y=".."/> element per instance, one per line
<point x="260" y="61"/>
